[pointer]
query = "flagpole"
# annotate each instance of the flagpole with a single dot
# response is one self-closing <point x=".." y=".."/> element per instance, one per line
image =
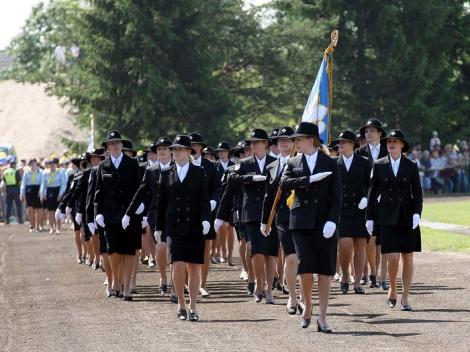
<point x="327" y="57"/>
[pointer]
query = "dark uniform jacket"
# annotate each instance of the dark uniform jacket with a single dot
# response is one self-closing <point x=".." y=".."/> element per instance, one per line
<point x="253" y="192"/>
<point x="115" y="188"/>
<point x="365" y="152"/>
<point x="182" y="207"/>
<point x="400" y="196"/>
<point x="355" y="183"/>
<point x="90" y="195"/>
<point x="69" y="199"/>
<point x="272" y="185"/>
<point x="213" y="181"/>
<point x="314" y="203"/>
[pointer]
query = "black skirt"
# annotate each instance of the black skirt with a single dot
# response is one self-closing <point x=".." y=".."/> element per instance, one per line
<point x="52" y="193"/>
<point x="286" y="239"/>
<point x="317" y="255"/>
<point x="188" y="249"/>
<point x="123" y="241"/>
<point x="400" y="239"/>
<point x="32" y="196"/>
<point x="261" y="244"/>
<point x="352" y="226"/>
<point x="241" y="232"/>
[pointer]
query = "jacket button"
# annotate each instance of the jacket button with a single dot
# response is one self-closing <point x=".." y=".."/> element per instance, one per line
<point x="354" y="194"/>
<point x="345" y="203"/>
<point x="187" y="208"/>
<point x="390" y="189"/>
<point x="344" y="186"/>
<point x="178" y="220"/>
<point x="187" y="219"/>
<point x="307" y="190"/>
<point x="316" y="201"/>
<point x="177" y="209"/>
<point x="257" y="198"/>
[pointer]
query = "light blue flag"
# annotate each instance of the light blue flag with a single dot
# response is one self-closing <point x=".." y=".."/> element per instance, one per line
<point x="317" y="108"/>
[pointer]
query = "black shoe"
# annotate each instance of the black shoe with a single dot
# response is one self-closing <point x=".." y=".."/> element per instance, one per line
<point x="186" y="290"/>
<point x="363" y="280"/>
<point x="291" y="310"/>
<point x="127" y="298"/>
<point x="285" y="290"/>
<point x="163" y="288"/>
<point x="405" y="308"/>
<point x="359" y="291"/>
<point x="324" y="329"/>
<point x="258" y="297"/>
<point x="344" y="286"/>
<point x="300" y="307"/>
<point x="182" y="314"/>
<point x="305" y="323"/>
<point x="118" y="294"/>
<point x="275" y="281"/>
<point x="145" y="261"/>
<point x="193" y="316"/>
<point x="373" y="281"/>
<point x="250" y="288"/>
<point x="173" y="298"/>
<point x="279" y="286"/>
<point x="392" y="302"/>
<point x="384" y="285"/>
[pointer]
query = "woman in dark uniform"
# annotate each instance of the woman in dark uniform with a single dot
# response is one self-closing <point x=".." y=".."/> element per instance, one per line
<point x="352" y="233"/>
<point x="396" y="202"/>
<point x="314" y="213"/>
<point x="183" y="214"/>
<point x="116" y="183"/>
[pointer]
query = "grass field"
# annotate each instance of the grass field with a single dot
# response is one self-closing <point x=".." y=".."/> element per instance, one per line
<point x="441" y="241"/>
<point x="451" y="212"/>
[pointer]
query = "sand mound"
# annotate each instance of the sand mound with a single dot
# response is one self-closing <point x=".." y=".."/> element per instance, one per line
<point x="33" y="121"/>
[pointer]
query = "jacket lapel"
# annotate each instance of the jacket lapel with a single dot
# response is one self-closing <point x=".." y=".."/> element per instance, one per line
<point x="306" y="170"/>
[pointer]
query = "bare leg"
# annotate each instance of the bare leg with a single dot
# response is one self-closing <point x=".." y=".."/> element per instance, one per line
<point x="179" y="277"/>
<point x="359" y="259"/>
<point x="306" y="286"/>
<point x="78" y="244"/>
<point x="371" y="249"/>
<point x="115" y="261"/>
<point x="270" y="271"/>
<point x="249" y="263"/>
<point x="194" y="282"/>
<point x="290" y="269"/>
<point x="207" y="262"/>
<point x="127" y="269"/>
<point x="161" y="260"/>
<point x="108" y="271"/>
<point x="242" y="251"/>
<point x="230" y="243"/>
<point x="407" y="276"/>
<point x="323" y="297"/>
<point x="345" y="246"/>
<point x="258" y="268"/>
<point x="95" y="245"/>
<point x="393" y="262"/>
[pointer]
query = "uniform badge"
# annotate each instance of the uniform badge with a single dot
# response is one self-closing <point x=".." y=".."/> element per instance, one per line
<point x="236" y="167"/>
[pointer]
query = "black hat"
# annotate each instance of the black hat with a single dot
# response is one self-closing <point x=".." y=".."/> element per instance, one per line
<point x="347" y="135"/>
<point x="307" y="129"/>
<point x="97" y="152"/>
<point x="127" y="145"/>
<point x="273" y="137"/>
<point x="196" y="138"/>
<point x="222" y="147"/>
<point x="76" y="161"/>
<point x="182" y="141"/>
<point x="113" y="136"/>
<point x="285" y="132"/>
<point x="258" y="135"/>
<point x="55" y="161"/>
<point x="373" y="123"/>
<point x="397" y="134"/>
<point x="162" y="141"/>
<point x="208" y="150"/>
<point x="360" y="134"/>
<point x="142" y="158"/>
<point x="333" y="145"/>
<point x="239" y="147"/>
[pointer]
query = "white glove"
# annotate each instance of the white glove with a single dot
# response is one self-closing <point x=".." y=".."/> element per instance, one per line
<point x="140" y="209"/>
<point x="320" y="176"/>
<point x="58" y="214"/>
<point x="213" y="204"/>
<point x="378" y="198"/>
<point x="158" y="236"/>
<point x="206" y="226"/>
<point x="92" y="227"/>
<point x="100" y="220"/>
<point x="68" y="213"/>
<point x="363" y="203"/>
<point x="125" y="221"/>
<point x="416" y="219"/>
<point x="78" y="218"/>
<point x="259" y="178"/>
<point x="370" y="226"/>
<point x="263" y="229"/>
<point x="218" y="223"/>
<point x="329" y="229"/>
<point x="144" y="222"/>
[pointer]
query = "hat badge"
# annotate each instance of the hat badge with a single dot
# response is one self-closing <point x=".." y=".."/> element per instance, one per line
<point x="369" y="122"/>
<point x="341" y="135"/>
<point x="112" y="134"/>
<point x="190" y="137"/>
<point x="161" y="140"/>
<point x="253" y="133"/>
<point x="283" y="130"/>
<point x="274" y="132"/>
<point x="177" y="139"/>
<point x="393" y="133"/>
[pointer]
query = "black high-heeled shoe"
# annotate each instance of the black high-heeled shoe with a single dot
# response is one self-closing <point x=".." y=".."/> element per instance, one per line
<point x="305" y="323"/>
<point x="391" y="302"/>
<point x="250" y="288"/>
<point x="344" y="287"/>
<point x="291" y="310"/>
<point x="285" y="290"/>
<point x="359" y="291"/>
<point x="405" y="307"/>
<point x="163" y="289"/>
<point x="193" y="316"/>
<point x="127" y="298"/>
<point x="182" y="314"/>
<point x="324" y="329"/>
<point x="300" y="307"/>
<point x="258" y="297"/>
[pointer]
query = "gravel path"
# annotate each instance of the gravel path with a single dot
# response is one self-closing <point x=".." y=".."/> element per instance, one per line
<point x="49" y="303"/>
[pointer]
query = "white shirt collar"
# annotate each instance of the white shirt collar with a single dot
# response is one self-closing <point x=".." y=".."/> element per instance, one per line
<point x="198" y="161"/>
<point x="164" y="166"/>
<point x="374" y="147"/>
<point x="182" y="171"/>
<point x="117" y="161"/>
<point x="224" y="164"/>
<point x="283" y="159"/>
<point x="261" y="162"/>
<point x="395" y="162"/>
<point x="312" y="160"/>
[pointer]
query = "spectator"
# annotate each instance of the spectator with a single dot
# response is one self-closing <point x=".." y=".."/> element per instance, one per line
<point x="425" y="167"/>
<point x="434" y="141"/>
<point x="12" y="181"/>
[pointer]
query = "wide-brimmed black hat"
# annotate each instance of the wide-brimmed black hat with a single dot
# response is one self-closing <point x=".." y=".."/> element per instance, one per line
<point x="347" y="135"/>
<point x="182" y="141"/>
<point x="96" y="152"/>
<point x="273" y="136"/>
<point x="285" y="132"/>
<point x="113" y="135"/>
<point x="55" y="161"/>
<point x="127" y="145"/>
<point x="196" y="138"/>
<point x="209" y="150"/>
<point x="222" y="147"/>
<point x="333" y="145"/>
<point x="239" y="147"/>
<point x="373" y="123"/>
<point x="360" y="134"/>
<point x="397" y="134"/>
<point x="258" y="135"/>
<point x="76" y="161"/>
<point x="307" y="129"/>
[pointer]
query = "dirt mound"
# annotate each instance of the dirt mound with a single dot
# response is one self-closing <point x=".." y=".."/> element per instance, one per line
<point x="34" y="122"/>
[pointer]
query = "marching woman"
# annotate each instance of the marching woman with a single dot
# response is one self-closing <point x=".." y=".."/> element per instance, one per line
<point x="29" y="192"/>
<point x="251" y="173"/>
<point x="274" y="173"/>
<point x="396" y="202"/>
<point x="355" y="175"/>
<point x="314" y="213"/>
<point x="52" y="189"/>
<point x="183" y="214"/>
<point x="117" y="181"/>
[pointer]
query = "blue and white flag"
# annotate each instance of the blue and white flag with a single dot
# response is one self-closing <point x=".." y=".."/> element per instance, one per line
<point x="91" y="138"/>
<point x="317" y="108"/>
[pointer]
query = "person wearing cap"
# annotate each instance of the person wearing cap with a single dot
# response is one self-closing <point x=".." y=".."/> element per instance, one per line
<point x="373" y="150"/>
<point x="213" y="184"/>
<point x="355" y="174"/>
<point x="360" y="138"/>
<point x="29" y="192"/>
<point x="95" y="158"/>
<point x="225" y="234"/>
<point x="251" y="174"/>
<point x="281" y="221"/>
<point x="395" y="205"/>
<point x="53" y="187"/>
<point x="209" y="154"/>
<point x="12" y="180"/>
<point x="333" y="149"/>
<point x="314" y="216"/>
<point x="273" y="148"/>
<point x="184" y="214"/>
<point x="147" y="194"/>
<point x="117" y="181"/>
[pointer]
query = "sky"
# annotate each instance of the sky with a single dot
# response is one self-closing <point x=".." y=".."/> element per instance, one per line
<point x="13" y="14"/>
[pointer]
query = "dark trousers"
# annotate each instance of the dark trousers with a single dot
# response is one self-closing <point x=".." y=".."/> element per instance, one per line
<point x="13" y="196"/>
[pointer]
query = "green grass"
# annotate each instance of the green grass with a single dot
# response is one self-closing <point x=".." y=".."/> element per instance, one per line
<point x="441" y="241"/>
<point x="451" y="212"/>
